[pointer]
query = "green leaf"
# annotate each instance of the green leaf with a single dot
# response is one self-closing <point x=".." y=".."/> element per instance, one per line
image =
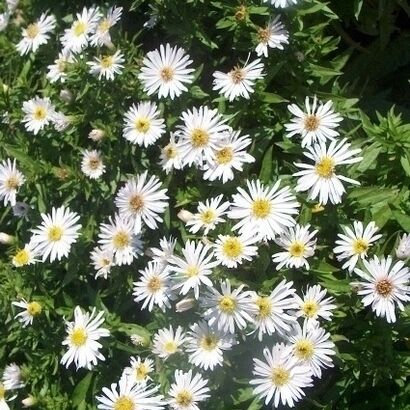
<point x="403" y="220"/>
<point x="80" y="391"/>
<point x="267" y="166"/>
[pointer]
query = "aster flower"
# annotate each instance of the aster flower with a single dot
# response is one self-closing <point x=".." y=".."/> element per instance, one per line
<point x="25" y="256"/>
<point x="29" y="312"/>
<point x="354" y="244"/>
<point x="36" y="34"/>
<point x="38" y="112"/>
<point x="3" y="403"/>
<point x="139" y="370"/>
<point x="385" y="285"/>
<point x="265" y="210"/>
<point x="273" y="35"/>
<point x="92" y="164"/>
<point x="318" y="123"/>
<point x="102" y="36"/>
<point x="299" y="244"/>
<point x="239" y="81"/>
<point x="165" y="252"/>
<point x="11" y="179"/>
<point x="166" y="71"/>
<point x="403" y="248"/>
<point x="167" y="342"/>
<point x="320" y="179"/>
<point x="107" y="66"/>
<point x="12" y="377"/>
<point x="171" y="156"/>
<point x="58" y="70"/>
<point x="102" y="261"/>
<point x="142" y="124"/>
<point x="82" y="339"/>
<point x="281" y="3"/>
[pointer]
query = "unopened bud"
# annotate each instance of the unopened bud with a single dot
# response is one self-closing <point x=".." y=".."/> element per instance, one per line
<point x="241" y="13"/>
<point x="29" y="401"/>
<point x="403" y="249"/>
<point x="96" y="134"/>
<point x="6" y="239"/>
<point x="138" y="340"/>
<point x="184" y="305"/>
<point x="66" y="95"/>
<point x="185" y="215"/>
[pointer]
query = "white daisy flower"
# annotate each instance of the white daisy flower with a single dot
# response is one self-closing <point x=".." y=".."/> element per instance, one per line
<point x="60" y="121"/>
<point x="118" y="237"/>
<point x="232" y="250"/>
<point x="274" y="35"/>
<point x="166" y="71"/>
<point x="227" y="310"/>
<point x="269" y="313"/>
<point x="130" y="396"/>
<point x="208" y="215"/>
<point x="384" y="286"/>
<point x="266" y="210"/>
<point x="3" y="403"/>
<point x="102" y="36"/>
<point x="92" y="164"/>
<point x="194" y="268"/>
<point x="171" y="156"/>
<point x="82" y="339"/>
<point x="102" y="261"/>
<point x="354" y="244"/>
<point x="320" y="179"/>
<point x="30" y="311"/>
<point x="299" y="244"/>
<point x="312" y="346"/>
<point x="154" y="287"/>
<point x="167" y="342"/>
<point x="39" y="112"/>
<point x="36" y="34"/>
<point x="403" y="248"/>
<point x="11" y="179"/>
<point x="239" y="81"/>
<point x="12" y="377"/>
<point x="203" y="128"/>
<point x="317" y="124"/>
<point x="187" y="391"/>
<point x="315" y="304"/>
<point x="76" y="38"/>
<point x="142" y="200"/>
<point x="229" y="155"/>
<point x="142" y="124"/>
<point x="165" y="252"/>
<point x="58" y="231"/>
<point x="139" y="370"/>
<point x="205" y="345"/>
<point x="4" y="21"/>
<point x="280" y="377"/>
<point x="25" y="256"/>
<point x="281" y="3"/>
<point x="58" y="70"/>
<point x="107" y="66"/>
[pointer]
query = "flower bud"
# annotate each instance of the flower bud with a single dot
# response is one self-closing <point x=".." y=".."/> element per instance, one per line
<point x="185" y="215"/>
<point x="96" y="134"/>
<point x="184" y="305"/>
<point x="138" y="340"/>
<point x="403" y="249"/>
<point x="66" y="95"/>
<point x="29" y="401"/>
<point x="6" y="239"/>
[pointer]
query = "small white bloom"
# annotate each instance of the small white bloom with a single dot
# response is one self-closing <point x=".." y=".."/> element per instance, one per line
<point x="103" y="261"/>
<point x="96" y="134"/>
<point x="39" y="112"/>
<point x="26" y="256"/>
<point x="171" y="156"/>
<point x="165" y="252"/>
<point x="102" y="36"/>
<point x="107" y="66"/>
<point x="58" y="70"/>
<point x="139" y="370"/>
<point x="4" y="21"/>
<point x="274" y="35"/>
<point x="281" y="3"/>
<point x="30" y="311"/>
<point x="12" y="377"/>
<point x="167" y="342"/>
<point x="11" y="179"/>
<point x="92" y="164"/>
<point x="60" y="121"/>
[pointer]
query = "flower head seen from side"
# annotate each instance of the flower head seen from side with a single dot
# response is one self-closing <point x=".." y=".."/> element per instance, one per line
<point x="139" y="370"/>
<point x="205" y="345"/>
<point x="38" y="113"/>
<point x="267" y="210"/>
<point x="384" y="286"/>
<point x="164" y="253"/>
<point x="142" y="124"/>
<point x="58" y="70"/>
<point x="12" y="377"/>
<point x="208" y="215"/>
<point x="281" y="3"/>
<point x="298" y="244"/>
<point x="36" y="34"/>
<point x="315" y="305"/>
<point x="3" y="390"/>
<point x="92" y="164"/>
<point x="102" y="261"/>
<point x="29" y="312"/>
<point x="102" y="36"/>
<point x="11" y="179"/>
<point x="354" y="243"/>
<point x="58" y="231"/>
<point x="168" y="342"/>
<point x="240" y="81"/>
<point x="274" y="35"/>
<point x="171" y="156"/>
<point x="25" y="256"/>
<point x="320" y="179"/>
<point x="280" y="377"/>
<point x="153" y="287"/>
<point x="107" y="66"/>
<point x="126" y="395"/>
<point x="82" y="339"/>
<point x="166" y="71"/>
<point x="317" y="124"/>
<point x="403" y="248"/>
<point x="270" y="313"/>
<point x="187" y="391"/>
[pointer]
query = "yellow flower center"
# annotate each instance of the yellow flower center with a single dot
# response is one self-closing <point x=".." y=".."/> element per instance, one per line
<point x="142" y="124"/>
<point x="124" y="403"/>
<point x="170" y="347"/>
<point x="105" y="262"/>
<point x="304" y="349"/>
<point x="55" y="233"/>
<point x="360" y="246"/>
<point x="104" y="26"/>
<point x="21" y="258"/>
<point x="170" y="151"/>
<point x="199" y="138"/>
<point x="167" y="74"/>
<point x="317" y="208"/>
<point x="184" y="398"/>
<point x="137" y="203"/>
<point x="154" y="284"/>
<point x="224" y="156"/>
<point x="241" y="13"/>
<point x="311" y="123"/>
<point x="261" y="208"/>
<point x="107" y="61"/>
<point x="208" y="343"/>
<point x="263" y="34"/>
<point x="34" y="308"/>
<point x="2" y="391"/>
<point x="40" y="113"/>
<point x="237" y="75"/>
<point x="94" y="163"/>
<point x="120" y="240"/>
<point x="264" y="305"/>
<point x="280" y="376"/>
<point x="78" y="337"/>
<point x="192" y="271"/>
<point x="227" y="304"/>
<point x="325" y="167"/>
<point x="310" y="308"/>
<point x="208" y="216"/>
<point x="141" y="371"/>
<point x="297" y="249"/>
<point x="232" y="247"/>
<point x="384" y="287"/>
<point x="12" y="182"/>
<point x="32" y="30"/>
<point x="79" y="28"/>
